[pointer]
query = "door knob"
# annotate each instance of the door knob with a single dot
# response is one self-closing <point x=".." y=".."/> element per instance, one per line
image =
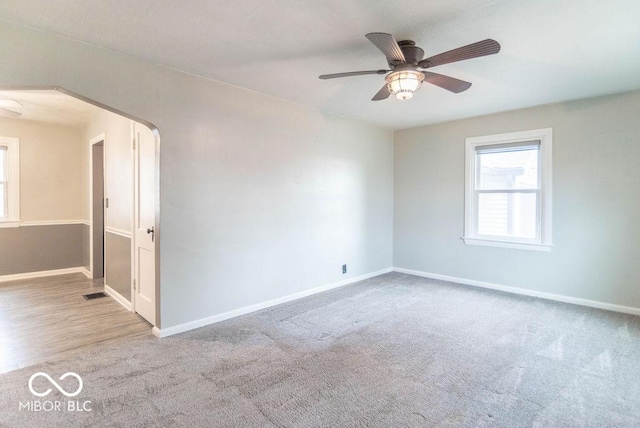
<point x="151" y="232"/>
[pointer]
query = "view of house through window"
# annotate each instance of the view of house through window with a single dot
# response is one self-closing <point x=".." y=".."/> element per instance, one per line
<point x="508" y="191"/>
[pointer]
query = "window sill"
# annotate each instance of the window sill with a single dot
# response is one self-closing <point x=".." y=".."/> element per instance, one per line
<point x="9" y="223"/>
<point x="508" y="244"/>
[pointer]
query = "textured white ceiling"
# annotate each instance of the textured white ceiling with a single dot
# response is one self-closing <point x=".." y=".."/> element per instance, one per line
<point x="552" y="50"/>
<point x="51" y="106"/>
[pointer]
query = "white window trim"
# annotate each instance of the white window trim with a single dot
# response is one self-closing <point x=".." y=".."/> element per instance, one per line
<point x="545" y="136"/>
<point x="13" y="178"/>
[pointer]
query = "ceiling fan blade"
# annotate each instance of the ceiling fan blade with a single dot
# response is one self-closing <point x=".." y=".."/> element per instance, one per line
<point x="352" y="73"/>
<point x="449" y="83"/>
<point x="9" y="113"/>
<point x="388" y="45"/>
<point x="474" y="50"/>
<point x="382" y="94"/>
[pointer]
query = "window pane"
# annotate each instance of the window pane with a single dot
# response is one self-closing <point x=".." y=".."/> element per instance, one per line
<point x="3" y="163"/>
<point x="3" y="200"/>
<point x="507" y="214"/>
<point x="509" y="169"/>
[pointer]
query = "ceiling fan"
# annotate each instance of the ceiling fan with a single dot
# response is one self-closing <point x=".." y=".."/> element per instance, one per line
<point x="408" y="66"/>
<point x="12" y="104"/>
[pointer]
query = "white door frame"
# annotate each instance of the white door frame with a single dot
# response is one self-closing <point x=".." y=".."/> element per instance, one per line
<point x="132" y="140"/>
<point x="92" y="142"/>
<point x="132" y="291"/>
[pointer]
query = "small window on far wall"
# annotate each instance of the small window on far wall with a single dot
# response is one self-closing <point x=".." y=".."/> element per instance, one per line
<point x="9" y="182"/>
<point x="508" y="190"/>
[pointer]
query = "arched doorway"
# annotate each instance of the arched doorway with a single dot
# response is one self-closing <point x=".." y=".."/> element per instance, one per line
<point x="57" y="232"/>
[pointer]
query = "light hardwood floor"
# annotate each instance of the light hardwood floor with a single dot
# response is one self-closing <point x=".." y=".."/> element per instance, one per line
<point x="45" y="318"/>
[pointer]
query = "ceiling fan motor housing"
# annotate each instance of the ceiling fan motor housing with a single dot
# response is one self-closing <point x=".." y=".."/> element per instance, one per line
<point x="412" y="53"/>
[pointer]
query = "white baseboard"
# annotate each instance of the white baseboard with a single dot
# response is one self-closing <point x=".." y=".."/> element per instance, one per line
<point x="118" y="297"/>
<point x="29" y="275"/>
<point x="524" y="291"/>
<point x="86" y="272"/>
<point x="180" y="328"/>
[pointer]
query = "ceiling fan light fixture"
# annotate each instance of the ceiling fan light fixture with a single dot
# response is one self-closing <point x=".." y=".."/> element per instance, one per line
<point x="404" y="83"/>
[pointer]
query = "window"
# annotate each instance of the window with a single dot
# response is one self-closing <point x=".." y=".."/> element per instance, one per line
<point x="9" y="182"/>
<point x="508" y="190"/>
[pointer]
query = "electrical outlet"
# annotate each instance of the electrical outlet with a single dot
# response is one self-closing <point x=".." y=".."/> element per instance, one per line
<point x="344" y="268"/>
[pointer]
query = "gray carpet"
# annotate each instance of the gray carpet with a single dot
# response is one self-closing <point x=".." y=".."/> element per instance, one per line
<point x="392" y="351"/>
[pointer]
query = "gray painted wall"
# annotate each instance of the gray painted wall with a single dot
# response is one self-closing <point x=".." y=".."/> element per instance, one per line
<point x="118" y="266"/>
<point x="39" y="248"/>
<point x="97" y="184"/>
<point x="596" y="232"/>
<point x="86" y="242"/>
<point x="260" y="198"/>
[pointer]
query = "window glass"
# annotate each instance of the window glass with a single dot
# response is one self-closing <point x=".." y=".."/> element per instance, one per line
<point x="3" y="163"/>
<point x="507" y="214"/>
<point x="3" y="200"/>
<point x="508" y="169"/>
<point x="3" y="183"/>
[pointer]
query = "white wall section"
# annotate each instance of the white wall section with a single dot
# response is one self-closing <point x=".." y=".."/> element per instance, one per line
<point x="595" y="205"/>
<point x="118" y="167"/>
<point x="260" y="198"/>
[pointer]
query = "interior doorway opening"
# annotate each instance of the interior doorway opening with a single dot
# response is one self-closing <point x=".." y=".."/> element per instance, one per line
<point x="90" y="205"/>
<point x="98" y="205"/>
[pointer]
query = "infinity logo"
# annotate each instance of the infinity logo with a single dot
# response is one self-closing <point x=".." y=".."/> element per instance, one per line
<point x="54" y="383"/>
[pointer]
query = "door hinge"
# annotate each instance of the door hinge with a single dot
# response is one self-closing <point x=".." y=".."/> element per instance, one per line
<point x="134" y="284"/>
<point x="134" y="144"/>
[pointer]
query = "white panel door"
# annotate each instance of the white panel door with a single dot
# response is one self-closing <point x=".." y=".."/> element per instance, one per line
<point x="144" y="299"/>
